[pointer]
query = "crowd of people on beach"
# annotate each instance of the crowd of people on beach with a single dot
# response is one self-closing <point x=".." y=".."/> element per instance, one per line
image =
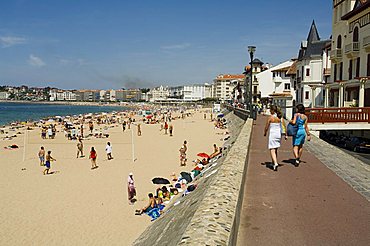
<point x="83" y="127"/>
<point x="184" y="183"/>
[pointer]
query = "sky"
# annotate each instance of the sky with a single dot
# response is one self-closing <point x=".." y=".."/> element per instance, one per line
<point x="112" y="44"/>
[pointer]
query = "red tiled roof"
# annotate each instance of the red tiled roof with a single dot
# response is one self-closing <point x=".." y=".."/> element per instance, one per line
<point x="231" y="76"/>
<point x="286" y="94"/>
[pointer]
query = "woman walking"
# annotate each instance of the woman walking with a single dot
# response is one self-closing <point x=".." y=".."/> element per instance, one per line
<point x="273" y="126"/>
<point x="301" y="120"/>
<point x="131" y="188"/>
<point x="93" y="156"/>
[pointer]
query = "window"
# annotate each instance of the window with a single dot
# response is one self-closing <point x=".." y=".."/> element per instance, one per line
<point x="307" y="72"/>
<point x="341" y="71"/>
<point x="355" y="35"/>
<point x="287" y="86"/>
<point x="358" y="67"/>
<point x="302" y="72"/>
<point x="339" y="42"/>
<point x="255" y="89"/>
<point x="307" y="95"/>
<point x="255" y="78"/>
<point x="350" y="69"/>
<point x="335" y="72"/>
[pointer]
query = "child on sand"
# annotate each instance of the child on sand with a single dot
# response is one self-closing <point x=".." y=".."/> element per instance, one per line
<point x="42" y="156"/>
<point x="91" y="126"/>
<point x="108" y="149"/>
<point x="48" y="158"/>
<point x="170" y="129"/>
<point x="183" y="150"/>
<point x="165" y="128"/>
<point x="93" y="156"/>
<point x="139" y="129"/>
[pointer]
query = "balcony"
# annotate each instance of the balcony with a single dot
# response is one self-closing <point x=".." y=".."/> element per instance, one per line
<point x="352" y="50"/>
<point x="366" y="43"/>
<point x="336" y="55"/>
<point x="277" y="79"/>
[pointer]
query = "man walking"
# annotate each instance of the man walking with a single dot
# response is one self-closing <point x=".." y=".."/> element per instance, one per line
<point x="49" y="158"/>
<point x="80" y="147"/>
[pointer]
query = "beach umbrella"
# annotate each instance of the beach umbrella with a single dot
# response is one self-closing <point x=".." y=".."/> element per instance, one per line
<point x="149" y="116"/>
<point x="186" y="176"/>
<point x="220" y="115"/>
<point x="203" y="155"/>
<point x="160" y="181"/>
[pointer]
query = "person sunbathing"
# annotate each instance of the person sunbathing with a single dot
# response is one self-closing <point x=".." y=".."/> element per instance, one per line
<point x="204" y="161"/>
<point x="216" y="151"/>
<point x="166" y="194"/>
<point x="152" y="204"/>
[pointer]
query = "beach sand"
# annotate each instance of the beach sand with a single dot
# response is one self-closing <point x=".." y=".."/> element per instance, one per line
<point x="79" y="206"/>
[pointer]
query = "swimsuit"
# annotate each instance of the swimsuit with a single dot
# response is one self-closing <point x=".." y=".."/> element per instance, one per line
<point x="47" y="164"/>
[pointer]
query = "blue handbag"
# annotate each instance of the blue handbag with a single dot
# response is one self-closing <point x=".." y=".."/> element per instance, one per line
<point x="291" y="130"/>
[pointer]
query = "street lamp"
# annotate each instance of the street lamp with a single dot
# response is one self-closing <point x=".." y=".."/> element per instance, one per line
<point x="251" y="50"/>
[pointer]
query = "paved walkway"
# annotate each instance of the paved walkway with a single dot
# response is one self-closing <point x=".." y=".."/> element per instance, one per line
<point x="308" y="205"/>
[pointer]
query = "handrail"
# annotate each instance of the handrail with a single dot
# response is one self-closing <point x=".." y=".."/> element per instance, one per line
<point x="338" y="115"/>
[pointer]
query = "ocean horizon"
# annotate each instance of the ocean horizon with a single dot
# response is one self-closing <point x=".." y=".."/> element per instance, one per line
<point x="12" y="112"/>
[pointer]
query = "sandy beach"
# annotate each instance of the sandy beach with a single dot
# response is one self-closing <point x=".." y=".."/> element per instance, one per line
<point x="79" y="206"/>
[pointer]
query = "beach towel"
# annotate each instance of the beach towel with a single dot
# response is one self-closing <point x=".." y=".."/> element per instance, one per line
<point x="154" y="213"/>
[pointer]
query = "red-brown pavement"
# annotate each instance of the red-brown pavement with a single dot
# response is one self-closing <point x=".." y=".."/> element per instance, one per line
<point x="305" y="205"/>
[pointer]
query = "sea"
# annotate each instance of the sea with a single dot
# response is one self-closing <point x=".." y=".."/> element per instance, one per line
<point x="11" y="112"/>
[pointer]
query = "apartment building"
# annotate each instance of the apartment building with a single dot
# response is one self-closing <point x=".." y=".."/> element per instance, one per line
<point x="224" y="84"/>
<point x="62" y="95"/>
<point x="350" y="55"/>
<point x="310" y="78"/>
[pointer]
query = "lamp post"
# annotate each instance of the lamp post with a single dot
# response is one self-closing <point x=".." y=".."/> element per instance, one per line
<point x="251" y="50"/>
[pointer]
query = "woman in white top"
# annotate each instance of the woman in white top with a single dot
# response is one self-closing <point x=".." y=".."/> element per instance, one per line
<point x="273" y="126"/>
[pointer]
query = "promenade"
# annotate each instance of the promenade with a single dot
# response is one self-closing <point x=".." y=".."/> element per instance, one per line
<point x="305" y="205"/>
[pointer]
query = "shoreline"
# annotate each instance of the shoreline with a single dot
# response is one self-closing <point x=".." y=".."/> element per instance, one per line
<point x="121" y="107"/>
<point x="37" y="119"/>
<point x="76" y="103"/>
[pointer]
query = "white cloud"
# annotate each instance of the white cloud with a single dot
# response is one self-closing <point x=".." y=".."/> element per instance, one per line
<point x="36" y="61"/>
<point x="8" y="41"/>
<point x="176" y="46"/>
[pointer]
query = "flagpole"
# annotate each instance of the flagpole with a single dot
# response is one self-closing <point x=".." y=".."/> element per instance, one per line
<point x="24" y="144"/>
<point x="132" y="145"/>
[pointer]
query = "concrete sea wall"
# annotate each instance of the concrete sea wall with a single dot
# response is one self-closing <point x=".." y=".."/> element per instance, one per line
<point x="210" y="214"/>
